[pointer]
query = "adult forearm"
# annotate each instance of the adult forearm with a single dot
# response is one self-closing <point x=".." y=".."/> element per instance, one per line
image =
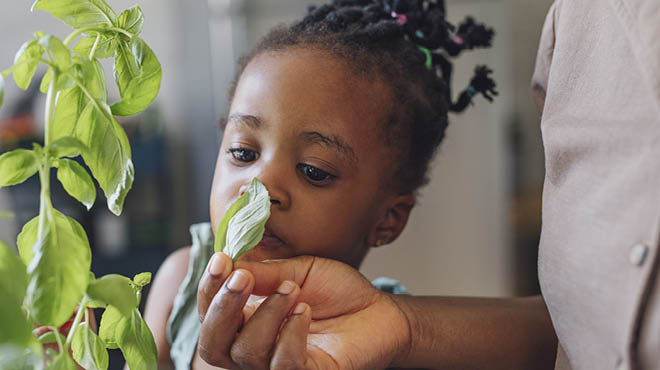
<point x="478" y="333"/>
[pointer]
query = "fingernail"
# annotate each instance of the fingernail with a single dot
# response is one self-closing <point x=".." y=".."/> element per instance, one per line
<point x="217" y="265"/>
<point x="300" y="309"/>
<point x="238" y="281"/>
<point x="286" y="287"/>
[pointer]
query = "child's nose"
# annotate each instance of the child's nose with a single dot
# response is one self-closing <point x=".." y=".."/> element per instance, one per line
<point x="278" y="197"/>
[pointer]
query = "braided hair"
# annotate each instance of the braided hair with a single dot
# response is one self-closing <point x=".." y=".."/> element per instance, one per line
<point x="409" y="44"/>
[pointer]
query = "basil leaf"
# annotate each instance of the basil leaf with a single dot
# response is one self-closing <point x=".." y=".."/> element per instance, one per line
<point x="88" y="349"/>
<point x="13" y="357"/>
<point x="66" y="146"/>
<point x="25" y="63"/>
<point x="138" y="75"/>
<point x="142" y="279"/>
<point x="221" y="232"/>
<point x="17" y="166"/>
<point x="247" y="226"/>
<point x="114" y="290"/>
<point x="45" y="81"/>
<point x="137" y="343"/>
<point x="62" y="361"/>
<point x="72" y="102"/>
<point x="79" y="13"/>
<point x="105" y="48"/>
<point x="108" y="154"/>
<point x="58" y="267"/>
<point x="14" y="327"/>
<point x="51" y="337"/>
<point x="131" y="20"/>
<point x="13" y="278"/>
<point x="58" y="50"/>
<point x="77" y="182"/>
<point x="108" y="327"/>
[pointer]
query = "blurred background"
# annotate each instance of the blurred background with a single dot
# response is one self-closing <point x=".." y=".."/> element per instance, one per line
<point x="474" y="232"/>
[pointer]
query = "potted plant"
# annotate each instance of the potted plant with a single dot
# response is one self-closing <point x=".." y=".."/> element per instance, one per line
<point x="49" y="283"/>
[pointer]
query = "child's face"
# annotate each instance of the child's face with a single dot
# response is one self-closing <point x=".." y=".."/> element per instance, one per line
<point x="311" y="131"/>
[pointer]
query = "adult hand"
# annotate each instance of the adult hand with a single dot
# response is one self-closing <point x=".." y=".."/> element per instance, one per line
<point x="318" y="313"/>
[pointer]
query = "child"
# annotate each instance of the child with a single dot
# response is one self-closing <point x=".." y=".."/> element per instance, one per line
<point x="339" y="116"/>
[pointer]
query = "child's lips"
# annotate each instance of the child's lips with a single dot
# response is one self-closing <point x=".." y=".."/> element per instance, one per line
<point x="269" y="241"/>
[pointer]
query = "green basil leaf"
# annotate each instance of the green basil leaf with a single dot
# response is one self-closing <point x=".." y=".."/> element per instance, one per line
<point x="79" y="13"/>
<point x="51" y="337"/>
<point x="45" y="81"/>
<point x="14" y="326"/>
<point x="221" y="232"/>
<point x="108" y="154"/>
<point x="62" y="361"/>
<point x="66" y="146"/>
<point x="13" y="277"/>
<point x="2" y="89"/>
<point x="108" y="328"/>
<point x="14" y="357"/>
<point x="77" y="182"/>
<point x="137" y="74"/>
<point x="105" y="48"/>
<point x="25" y="63"/>
<point x="137" y="343"/>
<point x="72" y="102"/>
<point x="17" y="166"/>
<point x="131" y="20"/>
<point x="247" y="226"/>
<point x="60" y="52"/>
<point x="58" y="267"/>
<point x="88" y="349"/>
<point x="142" y="279"/>
<point x="114" y="290"/>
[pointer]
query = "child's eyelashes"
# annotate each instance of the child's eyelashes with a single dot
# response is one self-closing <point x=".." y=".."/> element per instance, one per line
<point x="243" y="155"/>
<point x="315" y="175"/>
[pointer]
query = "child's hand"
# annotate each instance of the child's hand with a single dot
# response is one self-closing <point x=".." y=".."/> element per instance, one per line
<point x="344" y="322"/>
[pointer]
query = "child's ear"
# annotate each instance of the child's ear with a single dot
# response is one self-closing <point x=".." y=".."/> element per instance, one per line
<point x="393" y="220"/>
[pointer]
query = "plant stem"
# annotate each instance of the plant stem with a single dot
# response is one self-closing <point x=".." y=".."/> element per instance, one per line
<point x="45" y="204"/>
<point x="60" y="345"/>
<point x="50" y="102"/>
<point x="80" y="31"/>
<point x="96" y="44"/>
<point x="81" y="308"/>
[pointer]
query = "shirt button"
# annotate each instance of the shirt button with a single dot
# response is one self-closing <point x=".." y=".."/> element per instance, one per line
<point x="638" y="254"/>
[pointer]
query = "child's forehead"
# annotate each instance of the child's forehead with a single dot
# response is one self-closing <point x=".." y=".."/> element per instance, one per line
<point x="312" y="81"/>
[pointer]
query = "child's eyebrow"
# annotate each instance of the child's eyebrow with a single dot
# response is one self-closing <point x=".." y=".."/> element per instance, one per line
<point x="332" y="142"/>
<point x="251" y="121"/>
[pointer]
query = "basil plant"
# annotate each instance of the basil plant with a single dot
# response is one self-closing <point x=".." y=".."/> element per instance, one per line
<point x="50" y="282"/>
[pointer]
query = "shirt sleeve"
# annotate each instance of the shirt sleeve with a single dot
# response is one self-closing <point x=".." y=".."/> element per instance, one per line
<point x="544" y="59"/>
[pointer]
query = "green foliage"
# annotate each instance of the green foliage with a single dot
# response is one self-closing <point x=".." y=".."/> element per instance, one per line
<point x="58" y="275"/>
<point x="244" y="223"/>
<point x="88" y="349"/>
<point x="51" y="277"/>
<point x="17" y="166"/>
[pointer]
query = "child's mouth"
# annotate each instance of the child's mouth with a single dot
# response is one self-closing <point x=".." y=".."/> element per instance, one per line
<point x="269" y="240"/>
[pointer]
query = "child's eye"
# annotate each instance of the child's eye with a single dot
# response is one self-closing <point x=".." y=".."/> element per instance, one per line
<point x="244" y="155"/>
<point x="315" y="175"/>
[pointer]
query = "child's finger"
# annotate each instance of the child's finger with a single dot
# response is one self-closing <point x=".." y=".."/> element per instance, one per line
<point x="255" y="343"/>
<point x="223" y="319"/>
<point x="291" y="348"/>
<point x="216" y="272"/>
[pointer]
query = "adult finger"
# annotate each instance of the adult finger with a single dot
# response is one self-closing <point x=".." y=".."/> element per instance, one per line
<point x="254" y="344"/>
<point x="217" y="270"/>
<point x="270" y="274"/>
<point x="224" y="318"/>
<point x="291" y="348"/>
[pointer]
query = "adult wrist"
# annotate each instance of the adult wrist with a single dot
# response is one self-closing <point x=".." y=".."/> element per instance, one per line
<point x="405" y="320"/>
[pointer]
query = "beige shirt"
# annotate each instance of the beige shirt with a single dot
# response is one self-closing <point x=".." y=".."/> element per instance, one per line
<point x="597" y="83"/>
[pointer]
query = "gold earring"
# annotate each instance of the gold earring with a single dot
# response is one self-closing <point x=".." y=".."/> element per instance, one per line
<point x="380" y="242"/>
